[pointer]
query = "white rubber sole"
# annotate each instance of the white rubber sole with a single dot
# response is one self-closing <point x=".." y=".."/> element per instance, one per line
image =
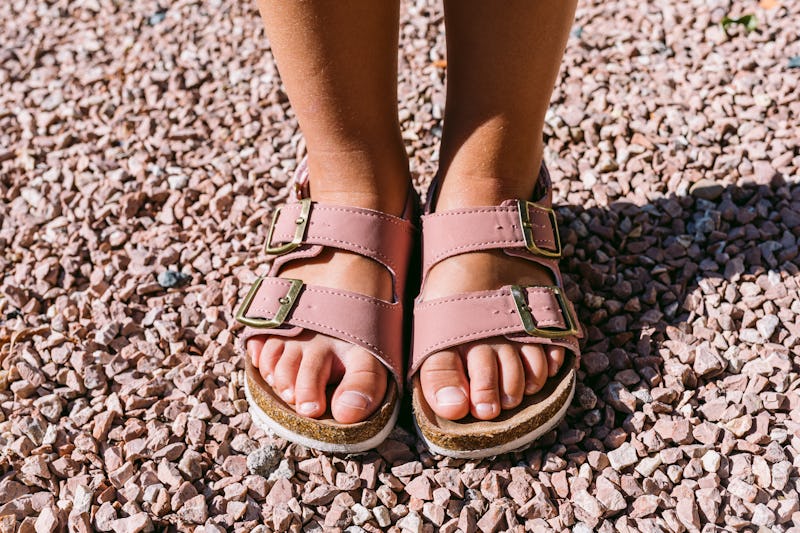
<point x="264" y="422"/>
<point x="512" y="446"/>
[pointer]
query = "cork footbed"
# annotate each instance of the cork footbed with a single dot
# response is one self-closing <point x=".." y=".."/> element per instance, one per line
<point x="322" y="433"/>
<point x="513" y="429"/>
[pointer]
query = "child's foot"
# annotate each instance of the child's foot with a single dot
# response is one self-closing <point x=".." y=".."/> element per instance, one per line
<point x="299" y="369"/>
<point x="483" y="377"/>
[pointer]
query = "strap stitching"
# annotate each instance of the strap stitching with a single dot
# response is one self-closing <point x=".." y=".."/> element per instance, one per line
<point x="376" y="253"/>
<point x="323" y="290"/>
<point x="450" y="299"/>
<point x="448" y="251"/>
<point x="397" y="221"/>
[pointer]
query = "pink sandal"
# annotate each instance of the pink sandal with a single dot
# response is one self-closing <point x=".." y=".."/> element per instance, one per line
<point x="285" y="307"/>
<point x="529" y="314"/>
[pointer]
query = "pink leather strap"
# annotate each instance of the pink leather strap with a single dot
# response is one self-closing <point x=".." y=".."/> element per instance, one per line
<point x="370" y="233"/>
<point x="369" y="322"/>
<point x="460" y="231"/>
<point x="446" y="322"/>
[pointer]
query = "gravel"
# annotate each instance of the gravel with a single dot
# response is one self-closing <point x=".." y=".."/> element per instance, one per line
<point x="142" y="151"/>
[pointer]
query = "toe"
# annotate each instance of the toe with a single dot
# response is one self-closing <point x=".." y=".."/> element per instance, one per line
<point x="362" y="388"/>
<point x="254" y="346"/>
<point x="444" y="385"/>
<point x="555" y="358"/>
<point x="484" y="396"/>
<point x="312" y="378"/>
<point x="512" y="376"/>
<point x="535" y="364"/>
<point x="285" y="374"/>
<point x="271" y="353"/>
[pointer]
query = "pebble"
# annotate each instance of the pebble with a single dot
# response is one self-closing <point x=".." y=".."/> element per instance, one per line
<point x="711" y="461"/>
<point x="706" y="189"/>
<point x="767" y="325"/>
<point x="169" y="279"/>
<point x="262" y="462"/>
<point x="623" y="457"/>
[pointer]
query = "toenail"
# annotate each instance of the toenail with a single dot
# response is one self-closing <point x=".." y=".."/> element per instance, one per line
<point x="287" y="395"/>
<point x="354" y="400"/>
<point x="269" y="380"/>
<point x="509" y="400"/>
<point x="307" y="408"/>
<point x="484" y="409"/>
<point x="450" y="396"/>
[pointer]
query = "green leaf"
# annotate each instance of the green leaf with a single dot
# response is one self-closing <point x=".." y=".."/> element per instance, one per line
<point x="750" y="22"/>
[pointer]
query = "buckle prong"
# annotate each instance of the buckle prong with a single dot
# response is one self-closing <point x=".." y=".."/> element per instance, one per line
<point x="529" y="324"/>
<point x="299" y="231"/>
<point x="527" y="228"/>
<point x="287" y="302"/>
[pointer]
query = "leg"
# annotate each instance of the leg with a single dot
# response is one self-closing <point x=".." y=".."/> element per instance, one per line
<point x="338" y="62"/>
<point x="502" y="65"/>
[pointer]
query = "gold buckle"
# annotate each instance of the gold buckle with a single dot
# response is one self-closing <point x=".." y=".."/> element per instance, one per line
<point x="300" y="229"/>
<point x="518" y="292"/>
<point x="287" y="302"/>
<point x="527" y="229"/>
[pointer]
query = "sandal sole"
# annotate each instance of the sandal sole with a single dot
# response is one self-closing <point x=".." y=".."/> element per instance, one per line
<point x="513" y="430"/>
<point x="275" y="416"/>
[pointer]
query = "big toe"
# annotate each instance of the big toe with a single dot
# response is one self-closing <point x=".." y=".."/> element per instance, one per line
<point x="362" y="388"/>
<point x="444" y="385"/>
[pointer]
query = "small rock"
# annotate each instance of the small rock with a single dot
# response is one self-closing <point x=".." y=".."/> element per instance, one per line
<point x="420" y="488"/>
<point x="47" y="521"/>
<point x="706" y="189"/>
<point x="711" y="461"/>
<point x="608" y="495"/>
<point x="648" y="465"/>
<point x="132" y="524"/>
<point x="623" y="457"/>
<point x="169" y="279"/>
<point x="766" y="325"/>
<point x="262" y="462"/>
<point x="194" y="510"/>
<point x="382" y="517"/>
<point x="688" y="514"/>
<point x="742" y="490"/>
<point x="763" y="516"/>
<point x="493" y="520"/>
<point x="707" y="363"/>
<point x="411" y="523"/>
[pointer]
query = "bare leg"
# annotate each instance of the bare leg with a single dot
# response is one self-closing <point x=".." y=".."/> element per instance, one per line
<point x="338" y="62"/>
<point x="502" y="62"/>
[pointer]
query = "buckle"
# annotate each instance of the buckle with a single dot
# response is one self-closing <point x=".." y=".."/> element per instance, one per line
<point x="287" y="302"/>
<point x="527" y="229"/>
<point x="300" y="229"/>
<point x="518" y="292"/>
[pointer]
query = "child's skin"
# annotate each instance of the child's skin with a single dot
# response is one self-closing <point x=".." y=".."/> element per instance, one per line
<point x="338" y="62"/>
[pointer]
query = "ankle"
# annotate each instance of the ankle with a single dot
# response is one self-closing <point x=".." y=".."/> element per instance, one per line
<point x="360" y="178"/>
<point x="484" y="181"/>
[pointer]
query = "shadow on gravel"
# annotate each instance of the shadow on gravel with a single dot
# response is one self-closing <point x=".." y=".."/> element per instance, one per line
<point x="674" y="294"/>
<point x="677" y="293"/>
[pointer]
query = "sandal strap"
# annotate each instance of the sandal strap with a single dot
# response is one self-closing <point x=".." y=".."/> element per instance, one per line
<point x="540" y="314"/>
<point x="284" y="307"/>
<point x="379" y="236"/>
<point x="513" y="224"/>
